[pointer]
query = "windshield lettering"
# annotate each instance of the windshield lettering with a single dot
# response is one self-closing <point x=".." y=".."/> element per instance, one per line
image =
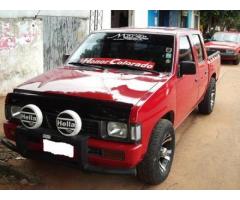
<point x="125" y="36"/>
<point x="109" y="61"/>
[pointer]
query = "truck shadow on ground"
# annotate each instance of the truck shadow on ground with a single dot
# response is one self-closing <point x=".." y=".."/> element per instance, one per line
<point x="229" y="63"/>
<point x="55" y="176"/>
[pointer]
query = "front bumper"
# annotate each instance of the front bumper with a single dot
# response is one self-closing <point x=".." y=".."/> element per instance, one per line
<point x="87" y="151"/>
<point x="231" y="57"/>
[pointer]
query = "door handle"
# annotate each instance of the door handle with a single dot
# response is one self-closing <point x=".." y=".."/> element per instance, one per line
<point x="205" y="73"/>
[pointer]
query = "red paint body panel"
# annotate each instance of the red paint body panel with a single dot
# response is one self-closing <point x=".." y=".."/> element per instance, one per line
<point x="222" y="45"/>
<point x="151" y="96"/>
<point x="9" y="130"/>
<point x="110" y="85"/>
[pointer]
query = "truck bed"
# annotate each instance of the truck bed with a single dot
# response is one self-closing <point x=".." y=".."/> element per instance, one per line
<point x="212" y="54"/>
<point x="214" y="62"/>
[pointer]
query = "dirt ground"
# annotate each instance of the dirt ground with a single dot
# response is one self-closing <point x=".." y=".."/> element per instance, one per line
<point x="207" y="152"/>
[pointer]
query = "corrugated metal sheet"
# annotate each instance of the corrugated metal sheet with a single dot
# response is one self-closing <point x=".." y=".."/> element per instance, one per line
<point x="61" y="35"/>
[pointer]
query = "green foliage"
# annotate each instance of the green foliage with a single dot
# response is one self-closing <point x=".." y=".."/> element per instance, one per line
<point x="224" y="19"/>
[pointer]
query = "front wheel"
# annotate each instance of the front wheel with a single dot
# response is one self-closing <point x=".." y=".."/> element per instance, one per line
<point x="207" y="104"/>
<point x="157" y="162"/>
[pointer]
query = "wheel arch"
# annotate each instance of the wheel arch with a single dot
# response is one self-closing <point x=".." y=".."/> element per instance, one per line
<point x="214" y="76"/>
<point x="169" y="116"/>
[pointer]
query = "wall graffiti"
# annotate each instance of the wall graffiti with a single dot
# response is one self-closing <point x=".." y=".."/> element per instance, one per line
<point x="21" y="51"/>
<point x="7" y="38"/>
<point x="20" y="33"/>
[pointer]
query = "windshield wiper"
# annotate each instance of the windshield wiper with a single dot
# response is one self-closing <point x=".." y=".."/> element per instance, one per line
<point x="86" y="65"/>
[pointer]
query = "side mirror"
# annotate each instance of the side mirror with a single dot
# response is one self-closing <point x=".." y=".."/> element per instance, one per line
<point x="65" y="57"/>
<point x="187" y="68"/>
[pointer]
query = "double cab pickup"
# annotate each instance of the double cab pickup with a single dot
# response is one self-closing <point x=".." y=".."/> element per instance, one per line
<point x="116" y="102"/>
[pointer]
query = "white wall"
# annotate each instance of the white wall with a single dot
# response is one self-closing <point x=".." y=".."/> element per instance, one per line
<point x="140" y="18"/>
<point x="106" y="23"/>
<point x="21" y="52"/>
<point x="192" y="20"/>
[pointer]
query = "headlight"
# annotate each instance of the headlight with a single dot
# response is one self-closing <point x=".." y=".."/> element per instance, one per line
<point x="117" y="129"/>
<point x="15" y="112"/>
<point x="230" y="51"/>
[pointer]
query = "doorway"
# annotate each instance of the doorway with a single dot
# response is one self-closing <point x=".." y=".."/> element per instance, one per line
<point x="164" y="18"/>
<point x="184" y="19"/>
<point x="119" y="18"/>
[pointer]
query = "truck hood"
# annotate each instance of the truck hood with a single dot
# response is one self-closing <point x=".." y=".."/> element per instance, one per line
<point x="222" y="45"/>
<point x="110" y="84"/>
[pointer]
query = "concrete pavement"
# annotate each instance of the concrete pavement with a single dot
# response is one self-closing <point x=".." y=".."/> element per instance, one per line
<point x="207" y="153"/>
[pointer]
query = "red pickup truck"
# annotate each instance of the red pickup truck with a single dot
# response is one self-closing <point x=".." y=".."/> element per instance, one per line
<point x="228" y="43"/>
<point x="116" y="102"/>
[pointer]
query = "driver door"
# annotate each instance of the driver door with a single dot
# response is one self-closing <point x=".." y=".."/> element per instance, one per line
<point x="186" y="85"/>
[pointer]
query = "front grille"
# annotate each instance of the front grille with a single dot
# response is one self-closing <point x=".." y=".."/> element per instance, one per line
<point x="89" y="127"/>
<point x="94" y="113"/>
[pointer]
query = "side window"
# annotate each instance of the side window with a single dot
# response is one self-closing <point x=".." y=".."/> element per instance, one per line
<point x="185" y="50"/>
<point x="198" y="45"/>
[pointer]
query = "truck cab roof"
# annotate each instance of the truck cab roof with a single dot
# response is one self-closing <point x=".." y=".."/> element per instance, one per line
<point x="153" y="30"/>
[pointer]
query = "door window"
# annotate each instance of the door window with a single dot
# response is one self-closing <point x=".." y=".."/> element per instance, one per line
<point x="185" y="50"/>
<point x="198" y="45"/>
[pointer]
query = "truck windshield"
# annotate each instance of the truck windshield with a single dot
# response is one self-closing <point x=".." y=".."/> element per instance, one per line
<point x="126" y="50"/>
<point x="226" y="37"/>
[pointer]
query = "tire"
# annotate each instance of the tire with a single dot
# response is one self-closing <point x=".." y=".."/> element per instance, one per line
<point x="207" y="104"/>
<point x="157" y="162"/>
<point x="236" y="62"/>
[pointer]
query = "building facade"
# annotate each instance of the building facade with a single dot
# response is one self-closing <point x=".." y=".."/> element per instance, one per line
<point x="124" y="18"/>
<point x="148" y="18"/>
<point x="174" y="18"/>
<point x="34" y="41"/>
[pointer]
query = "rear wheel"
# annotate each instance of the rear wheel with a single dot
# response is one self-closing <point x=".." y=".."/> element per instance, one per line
<point x="236" y="62"/>
<point x="207" y="104"/>
<point x="157" y="162"/>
